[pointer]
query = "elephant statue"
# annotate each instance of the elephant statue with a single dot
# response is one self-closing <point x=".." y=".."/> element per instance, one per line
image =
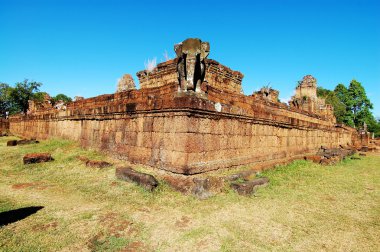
<point x="191" y="65"/>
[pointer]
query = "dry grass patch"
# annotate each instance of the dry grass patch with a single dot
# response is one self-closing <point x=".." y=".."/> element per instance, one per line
<point x="305" y="207"/>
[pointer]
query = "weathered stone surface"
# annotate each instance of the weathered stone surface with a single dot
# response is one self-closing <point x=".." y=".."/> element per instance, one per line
<point x="145" y="180"/>
<point x="331" y="160"/>
<point x="78" y="98"/>
<point x="267" y="94"/>
<point x="60" y="105"/>
<point x="326" y="156"/>
<point x="335" y="152"/>
<point x="37" y="158"/>
<point x="204" y="188"/>
<point x="12" y="143"/>
<point x="187" y="132"/>
<point x="306" y="99"/>
<point x="4" y="126"/>
<point x="21" y="142"/>
<point x="191" y="65"/>
<point x="244" y="175"/>
<point x="97" y="164"/>
<point x="27" y="141"/>
<point x="249" y="187"/>
<point x="83" y="158"/>
<point x="126" y="83"/>
<point x="181" y="183"/>
<point x="314" y="158"/>
<point x="367" y="148"/>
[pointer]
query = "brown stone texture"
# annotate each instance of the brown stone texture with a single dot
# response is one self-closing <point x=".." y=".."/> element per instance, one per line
<point x="12" y="143"/>
<point x="267" y="94"/>
<point x="27" y="141"/>
<point x="191" y="131"/>
<point x="126" y="83"/>
<point x="222" y="77"/>
<point x="314" y="158"/>
<point x="328" y="156"/>
<point x="97" y="164"/>
<point x="165" y="73"/>
<point x="21" y="142"/>
<point x="249" y="187"/>
<point x="204" y="188"/>
<point x="184" y="132"/>
<point x="33" y="158"/>
<point x="145" y="180"/>
<point x="306" y="99"/>
<point x="217" y="76"/>
<point x="4" y="127"/>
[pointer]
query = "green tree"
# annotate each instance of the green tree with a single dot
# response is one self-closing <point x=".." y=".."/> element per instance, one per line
<point x="342" y="94"/>
<point x="61" y="97"/>
<point x="5" y="101"/>
<point x="332" y="99"/>
<point x="23" y="92"/>
<point x="351" y="105"/>
<point x="359" y="104"/>
<point x="39" y="96"/>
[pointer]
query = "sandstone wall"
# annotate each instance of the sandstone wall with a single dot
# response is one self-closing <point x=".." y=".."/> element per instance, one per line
<point x="185" y="132"/>
<point x="217" y="76"/>
<point x="162" y="75"/>
<point x="222" y="77"/>
<point x="4" y="125"/>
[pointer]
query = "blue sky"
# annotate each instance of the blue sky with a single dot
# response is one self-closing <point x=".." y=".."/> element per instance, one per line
<point x="83" y="47"/>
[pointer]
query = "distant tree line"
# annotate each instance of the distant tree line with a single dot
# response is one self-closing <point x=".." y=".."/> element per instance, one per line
<point x="15" y="99"/>
<point x="351" y="106"/>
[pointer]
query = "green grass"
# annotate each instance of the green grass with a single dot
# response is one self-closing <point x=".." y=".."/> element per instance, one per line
<point x="306" y="207"/>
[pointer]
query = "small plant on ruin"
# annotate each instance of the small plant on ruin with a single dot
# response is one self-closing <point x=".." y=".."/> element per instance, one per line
<point x="150" y="64"/>
<point x="166" y="56"/>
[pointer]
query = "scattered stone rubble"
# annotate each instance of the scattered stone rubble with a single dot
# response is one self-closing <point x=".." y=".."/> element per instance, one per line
<point x="326" y="156"/>
<point x="145" y="180"/>
<point x="3" y="134"/>
<point x="22" y="142"/>
<point x="126" y="83"/>
<point x="249" y="187"/>
<point x="97" y="164"/>
<point x="94" y="163"/>
<point x="33" y="158"/>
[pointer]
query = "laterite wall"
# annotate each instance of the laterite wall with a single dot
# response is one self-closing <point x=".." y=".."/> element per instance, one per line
<point x="184" y="132"/>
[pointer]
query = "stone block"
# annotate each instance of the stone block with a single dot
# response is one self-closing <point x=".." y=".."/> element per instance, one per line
<point x="12" y="143"/>
<point x="249" y="187"/>
<point x="145" y="180"/>
<point x="314" y="158"/>
<point x="201" y="188"/>
<point x="33" y="158"/>
<point x="97" y="164"/>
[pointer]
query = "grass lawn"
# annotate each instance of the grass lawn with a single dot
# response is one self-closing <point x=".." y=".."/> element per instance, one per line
<point x="306" y="207"/>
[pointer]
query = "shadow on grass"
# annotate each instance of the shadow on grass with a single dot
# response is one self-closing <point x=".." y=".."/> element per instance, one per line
<point x="11" y="216"/>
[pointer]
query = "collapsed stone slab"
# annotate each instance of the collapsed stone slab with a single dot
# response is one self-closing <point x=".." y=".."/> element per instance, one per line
<point x="33" y="158"/>
<point x="329" y="156"/>
<point x="21" y="142"/>
<point x="12" y="143"/>
<point x="3" y="134"/>
<point x="249" y="187"/>
<point x="26" y="141"/>
<point x="204" y="188"/>
<point x="94" y="163"/>
<point x="145" y="180"/>
<point x="97" y="164"/>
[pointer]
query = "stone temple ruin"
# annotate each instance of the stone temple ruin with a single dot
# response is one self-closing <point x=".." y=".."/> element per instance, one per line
<point x="190" y="116"/>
